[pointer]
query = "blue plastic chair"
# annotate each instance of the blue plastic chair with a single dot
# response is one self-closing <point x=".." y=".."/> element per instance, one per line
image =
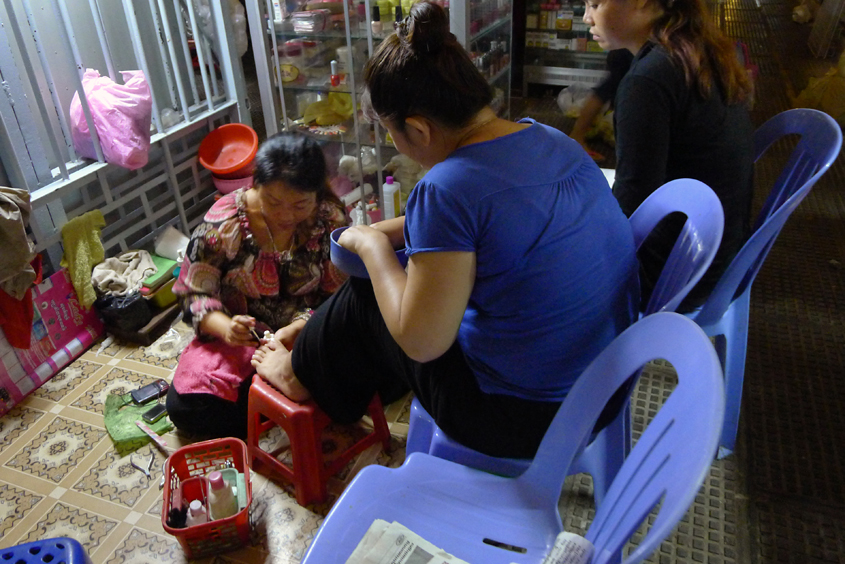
<point x="61" y="549"/>
<point x="476" y="515"/>
<point x="690" y="257"/>
<point x="695" y="247"/>
<point x="725" y="313"/>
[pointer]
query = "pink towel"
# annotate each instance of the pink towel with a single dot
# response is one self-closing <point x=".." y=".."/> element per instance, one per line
<point x="213" y="367"/>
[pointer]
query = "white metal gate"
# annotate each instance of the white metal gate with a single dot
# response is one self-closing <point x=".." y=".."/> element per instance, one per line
<point x="45" y="47"/>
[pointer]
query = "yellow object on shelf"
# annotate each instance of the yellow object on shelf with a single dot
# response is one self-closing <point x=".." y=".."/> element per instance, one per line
<point x="164" y="296"/>
<point x="335" y="109"/>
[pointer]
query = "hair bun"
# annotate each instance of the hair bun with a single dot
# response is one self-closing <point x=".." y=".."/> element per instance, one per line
<point x="426" y="29"/>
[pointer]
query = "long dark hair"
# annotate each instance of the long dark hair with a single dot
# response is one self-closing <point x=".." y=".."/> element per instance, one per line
<point x="421" y="69"/>
<point x="294" y="159"/>
<point x="707" y="57"/>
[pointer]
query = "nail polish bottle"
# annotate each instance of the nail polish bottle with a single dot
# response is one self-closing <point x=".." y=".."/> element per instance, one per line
<point x="398" y="13"/>
<point x="335" y="78"/>
<point x="375" y="24"/>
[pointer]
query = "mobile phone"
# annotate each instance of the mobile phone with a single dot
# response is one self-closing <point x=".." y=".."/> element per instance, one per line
<point x="155" y="413"/>
<point x="150" y="391"/>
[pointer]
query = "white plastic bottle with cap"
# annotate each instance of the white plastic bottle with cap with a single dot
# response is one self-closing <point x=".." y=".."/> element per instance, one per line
<point x="391" y="198"/>
<point x="196" y="514"/>
<point x="222" y="501"/>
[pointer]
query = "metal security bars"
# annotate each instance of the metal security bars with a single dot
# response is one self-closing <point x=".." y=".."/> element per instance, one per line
<point x="187" y="52"/>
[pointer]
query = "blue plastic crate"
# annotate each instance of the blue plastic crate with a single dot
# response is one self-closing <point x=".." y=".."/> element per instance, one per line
<point x="60" y="550"/>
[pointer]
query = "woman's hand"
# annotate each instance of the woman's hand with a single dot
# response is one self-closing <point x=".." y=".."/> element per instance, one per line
<point x="360" y="237"/>
<point x="394" y="229"/>
<point x="238" y="333"/>
<point x="235" y="331"/>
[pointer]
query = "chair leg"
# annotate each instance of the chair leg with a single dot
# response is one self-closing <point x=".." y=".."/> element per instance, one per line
<point x="380" y="427"/>
<point x="307" y="454"/>
<point x="736" y="343"/>
<point x="604" y="456"/>
<point x="420" y="430"/>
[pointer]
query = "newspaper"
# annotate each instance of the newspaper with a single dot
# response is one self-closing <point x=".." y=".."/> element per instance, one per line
<point x="393" y="543"/>
<point x="570" y="548"/>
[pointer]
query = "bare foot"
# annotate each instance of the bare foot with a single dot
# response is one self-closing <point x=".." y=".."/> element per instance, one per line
<point x="272" y="362"/>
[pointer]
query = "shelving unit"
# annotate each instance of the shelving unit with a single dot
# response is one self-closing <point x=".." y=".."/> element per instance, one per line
<point x="558" y="50"/>
<point x="298" y="92"/>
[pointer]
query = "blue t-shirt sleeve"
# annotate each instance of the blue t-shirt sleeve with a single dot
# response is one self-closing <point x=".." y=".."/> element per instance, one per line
<point x="438" y="219"/>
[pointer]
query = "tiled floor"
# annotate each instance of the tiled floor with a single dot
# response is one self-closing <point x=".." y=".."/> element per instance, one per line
<point x="61" y="475"/>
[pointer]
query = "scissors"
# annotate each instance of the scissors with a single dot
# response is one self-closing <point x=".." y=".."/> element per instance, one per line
<point x="146" y="470"/>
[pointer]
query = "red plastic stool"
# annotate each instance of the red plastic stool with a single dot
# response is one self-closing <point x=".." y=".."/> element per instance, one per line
<point x="303" y="423"/>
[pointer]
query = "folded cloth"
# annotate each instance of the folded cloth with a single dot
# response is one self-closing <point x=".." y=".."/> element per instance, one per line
<point x="16" y="274"/>
<point x="83" y="249"/>
<point x="123" y="275"/>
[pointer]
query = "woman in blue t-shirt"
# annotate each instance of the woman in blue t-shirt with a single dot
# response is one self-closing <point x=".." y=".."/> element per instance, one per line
<point x="522" y="267"/>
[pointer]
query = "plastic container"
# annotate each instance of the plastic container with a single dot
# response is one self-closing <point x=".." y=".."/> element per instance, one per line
<point x="196" y="514"/>
<point x="197" y="460"/>
<point x="60" y="549"/>
<point x="228" y="151"/>
<point x="226" y="185"/>
<point x="222" y="502"/>
<point x="391" y="204"/>
<point x="351" y="263"/>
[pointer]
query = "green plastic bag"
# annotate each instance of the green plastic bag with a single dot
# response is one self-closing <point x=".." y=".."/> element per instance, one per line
<point x="120" y="415"/>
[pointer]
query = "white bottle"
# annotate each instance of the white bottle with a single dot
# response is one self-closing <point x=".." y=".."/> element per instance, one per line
<point x="391" y="198"/>
<point x="196" y="514"/>
<point x="222" y="501"/>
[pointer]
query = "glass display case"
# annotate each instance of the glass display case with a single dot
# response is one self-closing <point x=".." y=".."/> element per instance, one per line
<point x="558" y="47"/>
<point x="485" y="29"/>
<point x="310" y="58"/>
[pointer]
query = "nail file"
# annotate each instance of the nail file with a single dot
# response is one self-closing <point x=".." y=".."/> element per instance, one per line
<point x="156" y="439"/>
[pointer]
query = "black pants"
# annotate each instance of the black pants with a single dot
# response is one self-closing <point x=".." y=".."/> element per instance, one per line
<point x="208" y="415"/>
<point x="345" y="354"/>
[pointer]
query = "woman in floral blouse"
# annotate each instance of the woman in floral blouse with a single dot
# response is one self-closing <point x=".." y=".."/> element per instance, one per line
<point x="258" y="262"/>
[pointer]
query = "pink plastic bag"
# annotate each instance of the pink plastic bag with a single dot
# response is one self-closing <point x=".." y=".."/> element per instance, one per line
<point x="121" y="115"/>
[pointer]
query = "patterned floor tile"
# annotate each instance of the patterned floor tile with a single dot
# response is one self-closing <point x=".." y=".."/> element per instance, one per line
<point x="67" y="380"/>
<point x="16" y="422"/>
<point x="115" y="479"/>
<point x="165" y="351"/>
<point x="66" y="521"/>
<point x="57" y="450"/>
<point x="142" y="547"/>
<point x="15" y="503"/>
<point x="285" y="527"/>
<point x="116" y="381"/>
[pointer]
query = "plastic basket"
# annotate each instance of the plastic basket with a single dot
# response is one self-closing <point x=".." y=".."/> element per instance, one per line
<point x="197" y="460"/>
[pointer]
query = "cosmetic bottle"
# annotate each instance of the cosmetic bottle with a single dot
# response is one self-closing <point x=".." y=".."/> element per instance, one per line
<point x="222" y="501"/>
<point x="196" y="514"/>
<point x="398" y="12"/>
<point x="375" y="24"/>
<point x="335" y="77"/>
<point x="391" y="198"/>
<point x="362" y="15"/>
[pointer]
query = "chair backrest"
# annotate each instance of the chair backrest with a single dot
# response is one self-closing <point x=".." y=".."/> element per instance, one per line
<point x="818" y="147"/>
<point x="696" y="245"/>
<point x="672" y="457"/>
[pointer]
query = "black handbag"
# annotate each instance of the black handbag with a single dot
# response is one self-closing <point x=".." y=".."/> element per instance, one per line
<point x="129" y="313"/>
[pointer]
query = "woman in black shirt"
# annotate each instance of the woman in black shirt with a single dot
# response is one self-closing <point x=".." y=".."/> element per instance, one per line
<point x="681" y="112"/>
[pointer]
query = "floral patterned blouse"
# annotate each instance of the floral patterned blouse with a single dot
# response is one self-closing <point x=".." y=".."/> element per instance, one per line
<point x="225" y="270"/>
